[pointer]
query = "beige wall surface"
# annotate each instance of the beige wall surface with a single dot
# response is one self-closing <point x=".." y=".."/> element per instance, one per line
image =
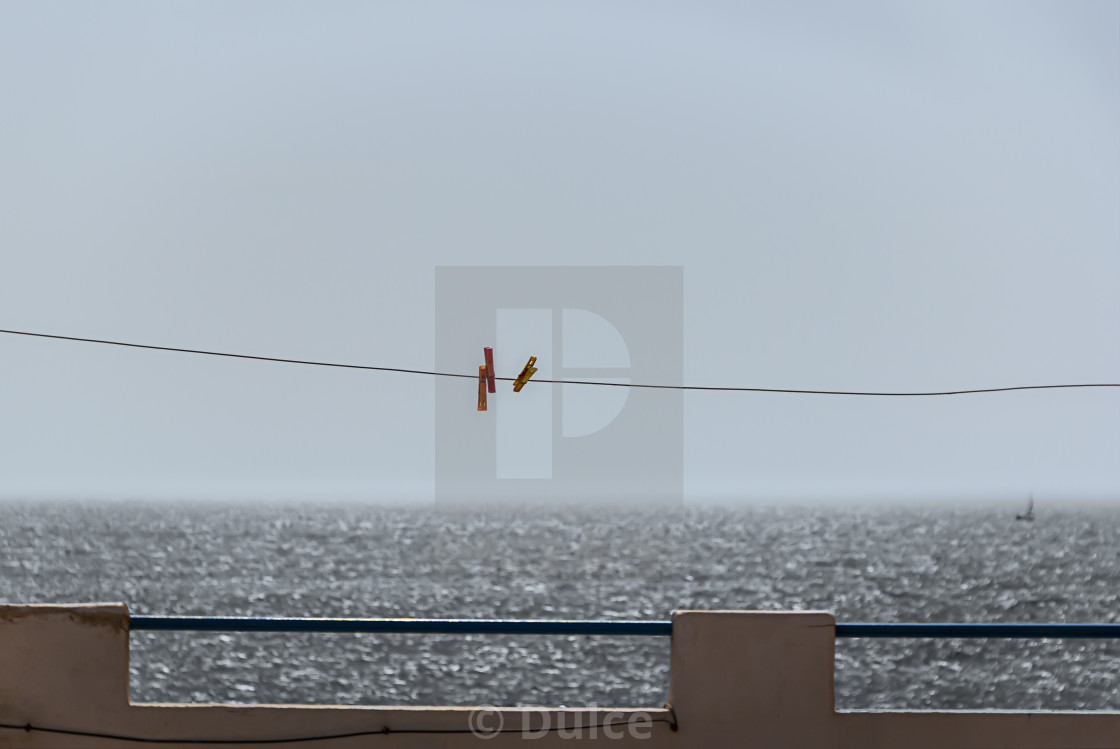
<point x="739" y="679"/>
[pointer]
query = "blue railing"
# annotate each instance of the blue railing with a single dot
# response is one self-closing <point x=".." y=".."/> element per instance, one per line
<point x="998" y="631"/>
<point x="594" y="627"/>
<point x="428" y="626"/>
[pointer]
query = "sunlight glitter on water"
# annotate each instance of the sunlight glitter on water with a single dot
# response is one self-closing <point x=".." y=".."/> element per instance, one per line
<point x="929" y="564"/>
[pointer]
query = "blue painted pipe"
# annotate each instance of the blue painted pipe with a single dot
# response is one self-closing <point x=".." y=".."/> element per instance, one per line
<point x="1003" y="631"/>
<point x="593" y="627"/>
<point x="430" y="626"/>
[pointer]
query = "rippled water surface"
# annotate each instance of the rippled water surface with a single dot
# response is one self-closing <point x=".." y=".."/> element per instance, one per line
<point x="929" y="564"/>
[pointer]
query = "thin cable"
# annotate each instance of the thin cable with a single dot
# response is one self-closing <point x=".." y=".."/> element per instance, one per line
<point x="239" y="356"/>
<point x="557" y="382"/>
<point x="827" y="392"/>
<point x="386" y="731"/>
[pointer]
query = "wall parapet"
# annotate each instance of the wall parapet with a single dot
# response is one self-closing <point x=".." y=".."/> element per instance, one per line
<point x="738" y="678"/>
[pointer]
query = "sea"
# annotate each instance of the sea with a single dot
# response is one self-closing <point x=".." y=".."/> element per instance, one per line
<point x="933" y="563"/>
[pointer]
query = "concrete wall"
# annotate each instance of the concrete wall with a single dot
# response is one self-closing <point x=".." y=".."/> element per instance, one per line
<point x="739" y="679"/>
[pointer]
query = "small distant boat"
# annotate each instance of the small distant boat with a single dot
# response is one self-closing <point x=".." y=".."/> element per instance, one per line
<point x="1029" y="514"/>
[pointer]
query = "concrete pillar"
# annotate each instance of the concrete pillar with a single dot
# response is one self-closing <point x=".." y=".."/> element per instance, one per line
<point x="753" y="678"/>
<point x="64" y="665"/>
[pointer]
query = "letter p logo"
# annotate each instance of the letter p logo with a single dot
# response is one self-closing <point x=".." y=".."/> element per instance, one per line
<point x="562" y="441"/>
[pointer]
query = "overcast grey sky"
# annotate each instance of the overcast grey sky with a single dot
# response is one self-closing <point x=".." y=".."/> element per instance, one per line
<point x="879" y="196"/>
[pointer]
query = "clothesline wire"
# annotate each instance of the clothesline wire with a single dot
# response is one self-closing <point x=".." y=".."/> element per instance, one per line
<point x="546" y="381"/>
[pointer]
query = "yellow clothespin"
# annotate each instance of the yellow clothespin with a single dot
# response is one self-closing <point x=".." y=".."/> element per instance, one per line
<point x="526" y="373"/>
<point x="482" y="387"/>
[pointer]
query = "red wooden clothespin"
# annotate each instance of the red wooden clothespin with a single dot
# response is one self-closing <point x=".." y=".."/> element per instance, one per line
<point x="489" y="354"/>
